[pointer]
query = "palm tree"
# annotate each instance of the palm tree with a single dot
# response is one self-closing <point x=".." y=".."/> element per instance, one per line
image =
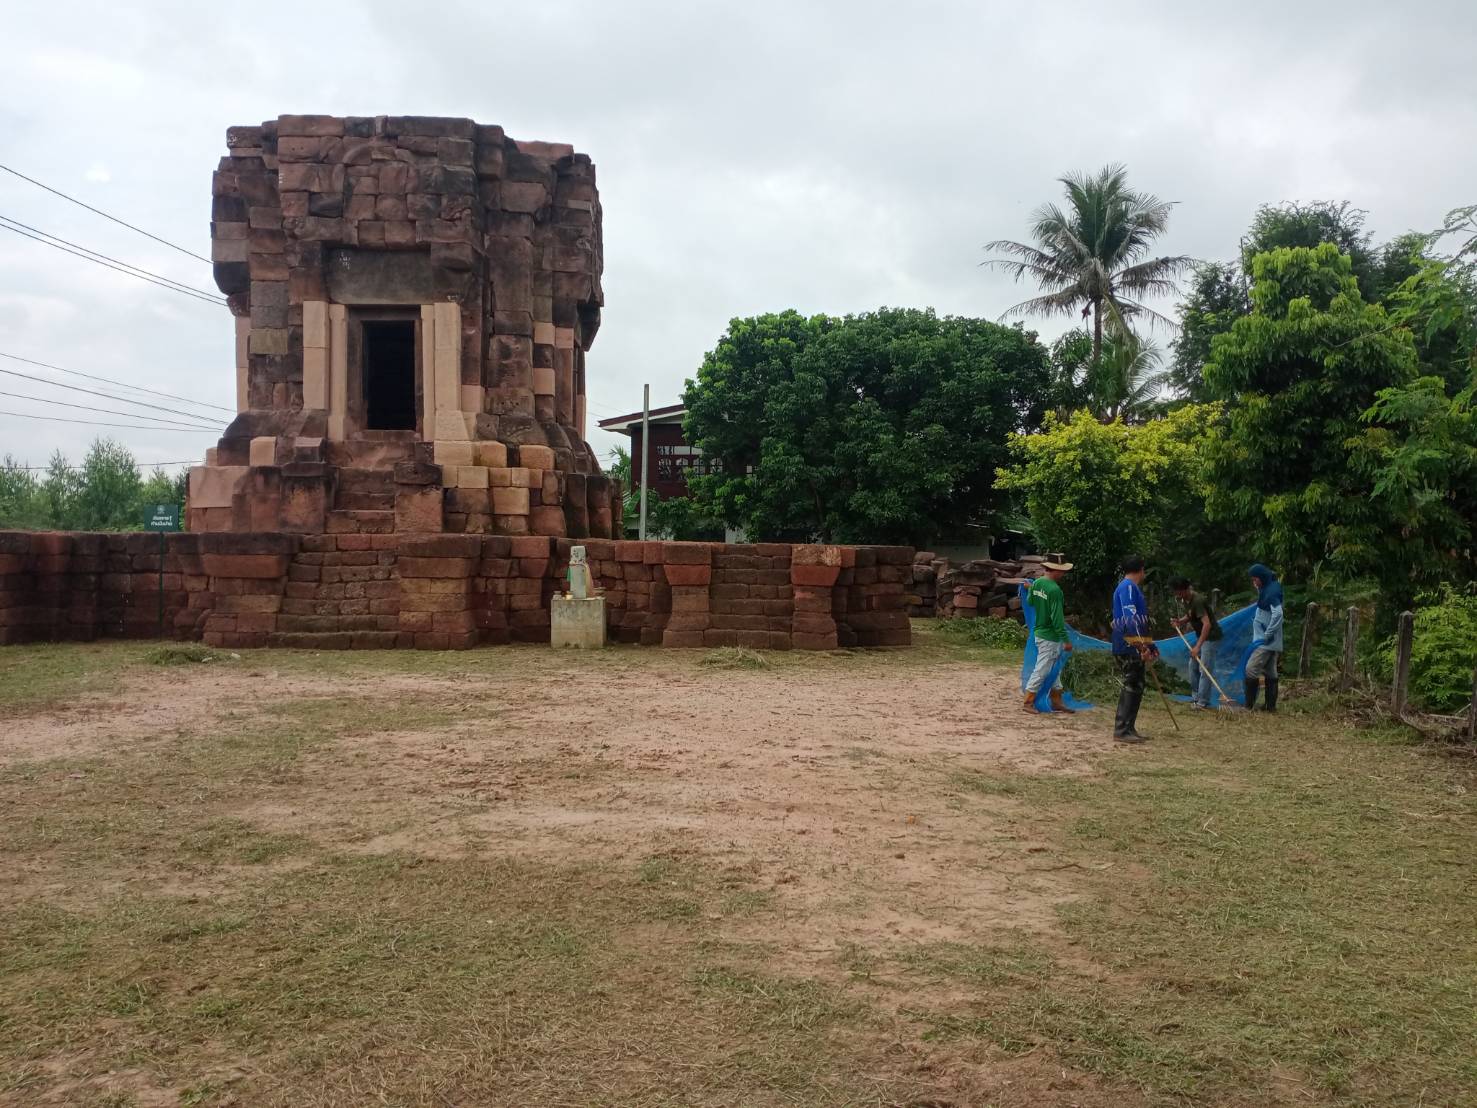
<point x="1091" y="256"/>
<point x="1127" y="381"/>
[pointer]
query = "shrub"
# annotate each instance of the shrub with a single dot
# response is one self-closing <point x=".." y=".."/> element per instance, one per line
<point x="1444" y="651"/>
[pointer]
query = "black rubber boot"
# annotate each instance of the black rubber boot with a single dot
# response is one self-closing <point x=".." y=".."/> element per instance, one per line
<point x="1253" y="686"/>
<point x="1123" y="717"/>
<point x="1271" y="694"/>
<point x="1133" y="726"/>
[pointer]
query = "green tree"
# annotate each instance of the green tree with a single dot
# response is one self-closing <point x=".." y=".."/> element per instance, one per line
<point x="21" y="504"/>
<point x="679" y="517"/>
<point x="109" y="496"/>
<point x="886" y="426"/>
<point x="1100" y="491"/>
<point x="1437" y="304"/>
<point x="162" y="488"/>
<point x="1071" y="365"/>
<point x="60" y="491"/>
<point x="1092" y="256"/>
<point x="1126" y="382"/>
<point x="1297" y="375"/>
<point x="1418" y="454"/>
<point x="618" y="467"/>
<point x="1279" y="226"/>
<point x="1217" y="298"/>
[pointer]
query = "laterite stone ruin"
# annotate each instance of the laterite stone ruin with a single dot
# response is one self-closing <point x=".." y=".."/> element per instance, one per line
<point x="414" y="298"/>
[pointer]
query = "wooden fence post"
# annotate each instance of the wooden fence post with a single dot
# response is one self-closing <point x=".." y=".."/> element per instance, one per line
<point x="1215" y="603"/>
<point x="1351" y="642"/>
<point x="1472" y="711"/>
<point x="1310" y="636"/>
<point x="1404" y="640"/>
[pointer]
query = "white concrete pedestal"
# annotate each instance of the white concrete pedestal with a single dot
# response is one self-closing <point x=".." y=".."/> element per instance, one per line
<point x="577" y="622"/>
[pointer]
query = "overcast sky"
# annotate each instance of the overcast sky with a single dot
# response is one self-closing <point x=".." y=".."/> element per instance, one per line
<point x="830" y="157"/>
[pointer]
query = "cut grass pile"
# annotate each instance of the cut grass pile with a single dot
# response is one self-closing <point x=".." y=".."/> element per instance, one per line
<point x="736" y="657"/>
<point x="185" y="654"/>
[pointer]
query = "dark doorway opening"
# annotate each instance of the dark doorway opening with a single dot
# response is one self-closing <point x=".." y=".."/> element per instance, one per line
<point x="389" y="375"/>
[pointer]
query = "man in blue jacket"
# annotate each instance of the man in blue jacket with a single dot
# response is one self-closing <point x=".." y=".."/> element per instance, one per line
<point x="1266" y="637"/>
<point x="1133" y="649"/>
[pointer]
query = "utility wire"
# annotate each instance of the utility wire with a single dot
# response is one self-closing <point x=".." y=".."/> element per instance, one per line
<point x="109" y="265"/>
<point x="105" y="411"/>
<point x="104" y="257"/>
<point x="110" y="381"/>
<point x="79" y="469"/>
<point x="104" y="395"/>
<point x="105" y="215"/>
<point x="96" y="423"/>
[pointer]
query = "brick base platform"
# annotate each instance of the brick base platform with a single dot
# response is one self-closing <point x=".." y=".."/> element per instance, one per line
<point x="438" y="592"/>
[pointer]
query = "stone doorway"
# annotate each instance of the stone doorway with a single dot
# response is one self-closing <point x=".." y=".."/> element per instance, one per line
<point x="388" y="348"/>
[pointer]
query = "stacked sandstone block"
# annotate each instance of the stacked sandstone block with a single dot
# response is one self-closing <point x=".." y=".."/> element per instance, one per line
<point x="247" y="582"/>
<point x="520" y="490"/>
<point x="77" y="587"/>
<point x="978" y="587"/>
<point x="871" y="596"/>
<point x="358" y="591"/>
<point x="341" y="593"/>
<point x="923" y="599"/>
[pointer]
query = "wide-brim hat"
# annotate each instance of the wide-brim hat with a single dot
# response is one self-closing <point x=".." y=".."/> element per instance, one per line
<point x="1057" y="561"/>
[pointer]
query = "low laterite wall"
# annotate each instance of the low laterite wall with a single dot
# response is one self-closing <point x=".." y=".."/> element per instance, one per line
<point x="437" y="592"/>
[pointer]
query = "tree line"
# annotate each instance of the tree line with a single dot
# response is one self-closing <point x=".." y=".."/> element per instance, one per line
<point x="107" y="492"/>
<point x="1314" y="410"/>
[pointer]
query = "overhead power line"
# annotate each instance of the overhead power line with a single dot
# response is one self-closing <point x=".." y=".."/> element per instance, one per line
<point x="96" y="423"/>
<point x="108" y="258"/>
<point x="110" y="265"/>
<point x="107" y="411"/>
<point x="121" y="384"/>
<point x="105" y="215"/>
<point x="104" y="395"/>
<point x="78" y="469"/>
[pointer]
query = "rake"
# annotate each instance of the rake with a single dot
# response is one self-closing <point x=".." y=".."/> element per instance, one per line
<point x="1225" y="702"/>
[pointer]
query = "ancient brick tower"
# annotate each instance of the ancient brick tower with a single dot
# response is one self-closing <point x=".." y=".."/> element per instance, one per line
<point x="414" y="298"/>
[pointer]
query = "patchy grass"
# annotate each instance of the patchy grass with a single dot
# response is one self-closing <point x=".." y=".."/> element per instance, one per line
<point x="405" y="980"/>
<point x="1279" y="907"/>
<point x="44" y="674"/>
<point x="1261" y="911"/>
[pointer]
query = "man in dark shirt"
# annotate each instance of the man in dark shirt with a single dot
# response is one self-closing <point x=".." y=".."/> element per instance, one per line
<point x="1198" y="619"/>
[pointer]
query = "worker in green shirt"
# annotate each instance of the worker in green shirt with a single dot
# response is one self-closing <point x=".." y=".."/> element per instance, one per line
<point x="1047" y="602"/>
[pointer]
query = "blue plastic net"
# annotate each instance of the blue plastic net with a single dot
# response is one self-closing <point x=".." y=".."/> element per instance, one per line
<point x="1229" y="669"/>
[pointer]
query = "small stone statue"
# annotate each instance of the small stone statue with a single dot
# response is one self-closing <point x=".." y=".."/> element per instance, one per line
<point x="580" y="584"/>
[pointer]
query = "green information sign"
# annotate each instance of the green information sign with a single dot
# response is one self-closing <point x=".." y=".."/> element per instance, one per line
<point x="161" y="517"/>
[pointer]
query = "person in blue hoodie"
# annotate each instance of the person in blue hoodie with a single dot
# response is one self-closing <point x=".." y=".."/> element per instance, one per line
<point x="1133" y="648"/>
<point x="1266" y="637"/>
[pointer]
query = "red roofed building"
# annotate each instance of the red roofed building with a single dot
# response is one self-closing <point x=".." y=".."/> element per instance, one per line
<point x="672" y="458"/>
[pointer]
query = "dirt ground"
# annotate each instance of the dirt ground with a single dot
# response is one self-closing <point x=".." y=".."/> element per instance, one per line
<point x="847" y="822"/>
<point x="808" y="778"/>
